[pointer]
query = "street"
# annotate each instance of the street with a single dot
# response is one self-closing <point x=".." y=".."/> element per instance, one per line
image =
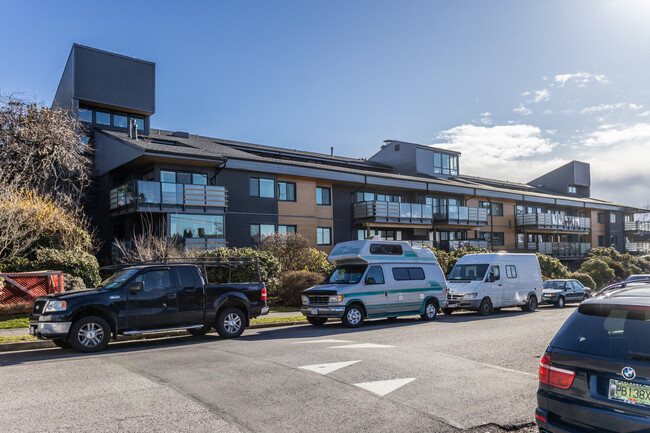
<point x="459" y="373"/>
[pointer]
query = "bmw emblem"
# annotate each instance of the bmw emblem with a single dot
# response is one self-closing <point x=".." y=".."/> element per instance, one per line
<point x="628" y="373"/>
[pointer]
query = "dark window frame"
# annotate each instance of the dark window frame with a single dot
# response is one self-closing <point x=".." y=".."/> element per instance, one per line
<point x="259" y="231"/>
<point x="329" y="195"/>
<point x="415" y="273"/>
<point x="258" y="178"/>
<point x="329" y="229"/>
<point x="295" y="190"/>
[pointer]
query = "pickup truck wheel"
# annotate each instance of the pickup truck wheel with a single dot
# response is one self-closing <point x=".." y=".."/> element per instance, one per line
<point x="63" y="344"/>
<point x="230" y="323"/>
<point x="89" y="334"/>
<point x="197" y="332"/>
<point x="353" y="316"/>
<point x="448" y="311"/>
<point x="430" y="311"/>
<point x="317" y="321"/>
<point x="485" y="309"/>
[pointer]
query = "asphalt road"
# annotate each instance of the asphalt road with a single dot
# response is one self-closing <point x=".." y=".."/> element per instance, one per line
<point x="459" y="373"/>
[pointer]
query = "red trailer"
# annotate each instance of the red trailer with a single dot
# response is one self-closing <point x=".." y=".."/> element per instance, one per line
<point x="21" y="287"/>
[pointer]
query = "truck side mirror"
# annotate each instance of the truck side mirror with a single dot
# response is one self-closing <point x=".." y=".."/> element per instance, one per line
<point x="370" y="280"/>
<point x="136" y="287"/>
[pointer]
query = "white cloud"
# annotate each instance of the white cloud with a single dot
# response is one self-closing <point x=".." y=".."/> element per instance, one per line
<point x="542" y="95"/>
<point x="522" y="110"/>
<point x="486" y="114"/>
<point x="610" y="107"/>
<point x="645" y="114"/>
<point x="580" y="78"/>
<point x="611" y="135"/>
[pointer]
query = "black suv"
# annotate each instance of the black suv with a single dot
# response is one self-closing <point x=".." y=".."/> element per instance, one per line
<point x="595" y="374"/>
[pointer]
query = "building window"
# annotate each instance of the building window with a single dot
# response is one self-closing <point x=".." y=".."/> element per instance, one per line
<point x="286" y="229"/>
<point x="612" y="218"/>
<point x="260" y="187"/>
<point x="86" y="115"/>
<point x="601" y="241"/>
<point x="601" y="217"/>
<point x="258" y="231"/>
<point x="196" y="226"/>
<point x="494" y="209"/>
<point x="519" y="209"/>
<point x="323" y="196"/>
<point x="497" y="238"/>
<point x="120" y="121"/>
<point x="286" y="191"/>
<point x="199" y="179"/>
<point x="323" y="236"/>
<point x="102" y="118"/>
<point x="371" y="196"/>
<point x="168" y="176"/>
<point x="445" y="164"/>
<point x="572" y="190"/>
<point x="613" y="240"/>
<point x="139" y="121"/>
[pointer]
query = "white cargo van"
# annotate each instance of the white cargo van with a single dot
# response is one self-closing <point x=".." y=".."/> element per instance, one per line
<point x="375" y="279"/>
<point x="487" y="282"/>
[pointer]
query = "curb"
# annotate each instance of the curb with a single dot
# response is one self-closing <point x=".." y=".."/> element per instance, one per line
<point x="46" y="344"/>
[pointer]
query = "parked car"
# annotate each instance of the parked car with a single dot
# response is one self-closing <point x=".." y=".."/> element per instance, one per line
<point x="488" y="282"/>
<point x="148" y="298"/>
<point x="595" y="374"/>
<point x="374" y="279"/>
<point x="637" y="277"/>
<point x="561" y="292"/>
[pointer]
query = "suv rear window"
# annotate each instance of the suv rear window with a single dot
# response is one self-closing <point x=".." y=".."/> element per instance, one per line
<point x="614" y="331"/>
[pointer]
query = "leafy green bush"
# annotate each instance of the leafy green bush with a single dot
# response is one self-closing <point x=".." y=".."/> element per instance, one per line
<point x="317" y="262"/>
<point x="74" y="262"/>
<point x="605" y="252"/>
<point x="269" y="267"/>
<point x="292" y="285"/>
<point x="551" y="267"/>
<point x="599" y="271"/>
<point x="447" y="260"/>
<point x="620" y="271"/>
<point x="71" y="283"/>
<point x="585" y="279"/>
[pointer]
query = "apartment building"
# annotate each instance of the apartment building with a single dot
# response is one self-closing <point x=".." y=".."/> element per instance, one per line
<point x="211" y="192"/>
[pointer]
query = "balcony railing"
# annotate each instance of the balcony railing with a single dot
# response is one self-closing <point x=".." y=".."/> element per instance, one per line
<point x="142" y="193"/>
<point x="559" y="249"/>
<point x="637" y="226"/>
<point x="394" y="212"/>
<point x="196" y="244"/>
<point x="637" y="247"/>
<point x="462" y="215"/>
<point x="554" y="222"/>
<point x="421" y="244"/>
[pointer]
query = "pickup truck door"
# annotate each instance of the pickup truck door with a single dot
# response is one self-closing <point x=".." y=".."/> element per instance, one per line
<point x="156" y="305"/>
<point x="191" y="298"/>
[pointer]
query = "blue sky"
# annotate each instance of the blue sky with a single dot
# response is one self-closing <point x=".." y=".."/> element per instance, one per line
<point x="520" y="87"/>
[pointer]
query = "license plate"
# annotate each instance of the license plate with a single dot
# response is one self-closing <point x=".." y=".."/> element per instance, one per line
<point x="629" y="392"/>
<point x="314" y="311"/>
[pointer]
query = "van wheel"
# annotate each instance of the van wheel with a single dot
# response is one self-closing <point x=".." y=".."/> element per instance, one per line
<point x="448" y="311"/>
<point x="317" y="321"/>
<point x="231" y="323"/>
<point x="89" y="334"/>
<point x="353" y="316"/>
<point x="485" y="309"/>
<point x="560" y="302"/>
<point x="430" y="311"/>
<point x="531" y="305"/>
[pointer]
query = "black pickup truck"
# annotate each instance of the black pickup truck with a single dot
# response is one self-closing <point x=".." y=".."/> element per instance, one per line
<point x="148" y="298"/>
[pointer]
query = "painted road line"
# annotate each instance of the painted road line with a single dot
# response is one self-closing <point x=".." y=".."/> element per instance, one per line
<point x="361" y="346"/>
<point x="325" y="340"/>
<point x="328" y="368"/>
<point x="383" y="387"/>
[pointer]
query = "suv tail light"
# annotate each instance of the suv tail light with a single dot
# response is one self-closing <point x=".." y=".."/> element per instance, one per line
<point x="553" y="376"/>
<point x="264" y="293"/>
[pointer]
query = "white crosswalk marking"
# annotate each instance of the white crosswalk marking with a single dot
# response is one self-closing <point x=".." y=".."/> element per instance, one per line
<point x="325" y="340"/>
<point x="361" y="346"/>
<point x="383" y="387"/>
<point x="328" y="368"/>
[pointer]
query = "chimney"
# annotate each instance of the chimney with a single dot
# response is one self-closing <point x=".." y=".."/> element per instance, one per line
<point x="332" y="151"/>
<point x="133" y="129"/>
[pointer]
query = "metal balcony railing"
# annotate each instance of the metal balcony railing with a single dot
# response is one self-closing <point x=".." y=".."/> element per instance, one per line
<point x="462" y="215"/>
<point x="394" y="212"/>
<point x="637" y="226"/>
<point x="637" y="247"/>
<point x="559" y="249"/>
<point x="141" y="193"/>
<point x="554" y="222"/>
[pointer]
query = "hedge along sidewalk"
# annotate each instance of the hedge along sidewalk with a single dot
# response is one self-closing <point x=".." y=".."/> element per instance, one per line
<point x="268" y="321"/>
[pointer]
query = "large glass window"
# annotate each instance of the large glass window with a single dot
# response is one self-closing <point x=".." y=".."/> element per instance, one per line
<point x="468" y="272"/>
<point x="285" y="229"/>
<point x="260" y="187"/>
<point x="102" y="118"/>
<point x="445" y="164"/>
<point x="139" y="122"/>
<point x="120" y="121"/>
<point x="323" y="196"/>
<point x="495" y="209"/>
<point x="323" y="236"/>
<point x="258" y="231"/>
<point x="286" y="191"/>
<point x="199" y="179"/>
<point x="197" y="226"/>
<point x="612" y="217"/>
<point x="184" y="178"/>
<point x="168" y="176"/>
<point x="86" y="115"/>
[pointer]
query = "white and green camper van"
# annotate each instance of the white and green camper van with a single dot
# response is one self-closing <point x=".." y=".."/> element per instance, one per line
<point x="374" y="279"/>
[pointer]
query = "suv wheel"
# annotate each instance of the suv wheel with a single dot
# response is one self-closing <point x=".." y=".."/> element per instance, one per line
<point x="231" y="323"/>
<point x="353" y="316"/>
<point x="90" y="334"/>
<point x="430" y="310"/>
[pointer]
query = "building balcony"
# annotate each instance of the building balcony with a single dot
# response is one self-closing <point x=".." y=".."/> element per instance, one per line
<point x="463" y="243"/>
<point x="559" y="249"/>
<point x="394" y="214"/>
<point x="146" y="196"/>
<point x="637" y="247"/>
<point x="542" y="221"/>
<point x="461" y="215"/>
<point x="637" y="226"/>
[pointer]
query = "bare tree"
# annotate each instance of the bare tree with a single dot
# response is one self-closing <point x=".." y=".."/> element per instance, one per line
<point x="148" y="245"/>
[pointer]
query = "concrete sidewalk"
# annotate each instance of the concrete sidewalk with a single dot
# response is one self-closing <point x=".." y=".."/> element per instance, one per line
<point x="25" y="331"/>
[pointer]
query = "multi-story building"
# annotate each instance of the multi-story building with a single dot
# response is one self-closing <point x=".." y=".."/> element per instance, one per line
<point x="212" y="192"/>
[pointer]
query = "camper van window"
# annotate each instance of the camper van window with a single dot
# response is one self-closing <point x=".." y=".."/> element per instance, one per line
<point x="347" y="274"/>
<point x="386" y="249"/>
<point x="375" y="275"/>
<point x="402" y="274"/>
<point x="511" y="271"/>
<point x="468" y="272"/>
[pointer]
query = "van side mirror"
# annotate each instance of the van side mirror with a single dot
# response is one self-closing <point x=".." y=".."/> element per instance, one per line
<point x="370" y="280"/>
<point x="491" y="278"/>
<point x="136" y="287"/>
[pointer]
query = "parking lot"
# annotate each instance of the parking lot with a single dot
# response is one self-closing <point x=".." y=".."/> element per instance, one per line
<point x="459" y="373"/>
